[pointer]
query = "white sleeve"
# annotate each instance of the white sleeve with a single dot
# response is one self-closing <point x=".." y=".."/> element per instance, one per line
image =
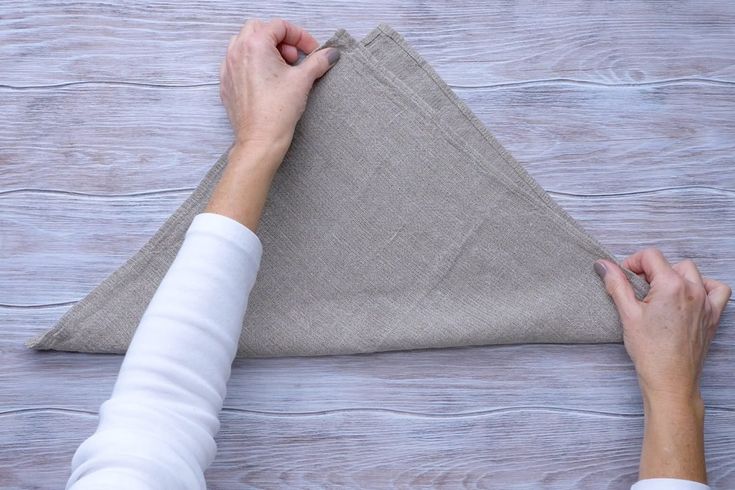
<point x="157" y="429"/>
<point x="668" y="484"/>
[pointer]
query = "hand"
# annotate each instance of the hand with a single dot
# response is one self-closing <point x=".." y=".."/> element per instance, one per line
<point x="263" y="93"/>
<point x="667" y="336"/>
<point x="668" y="333"/>
<point x="265" y="97"/>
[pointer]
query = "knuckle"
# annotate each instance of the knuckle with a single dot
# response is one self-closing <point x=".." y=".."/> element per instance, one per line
<point x="615" y="289"/>
<point x="628" y="313"/>
<point x="629" y="316"/>
<point x="675" y="282"/>
<point x="250" y="44"/>
<point x="612" y="286"/>
<point x="699" y="294"/>
<point x="277" y="23"/>
<point x="726" y="291"/>
<point x="323" y="62"/>
<point x="251" y="23"/>
<point x="232" y="55"/>
<point x="317" y="66"/>
<point x="678" y="281"/>
<point x="252" y="26"/>
<point x="690" y="264"/>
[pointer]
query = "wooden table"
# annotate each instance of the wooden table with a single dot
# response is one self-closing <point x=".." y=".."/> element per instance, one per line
<point x="623" y="111"/>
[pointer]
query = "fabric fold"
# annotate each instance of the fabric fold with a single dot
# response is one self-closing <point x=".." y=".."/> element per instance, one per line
<point x="396" y="221"/>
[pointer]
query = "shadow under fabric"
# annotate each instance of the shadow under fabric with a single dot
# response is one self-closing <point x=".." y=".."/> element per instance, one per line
<point x="396" y="221"/>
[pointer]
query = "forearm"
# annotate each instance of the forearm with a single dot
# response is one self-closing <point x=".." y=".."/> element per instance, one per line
<point x="159" y="425"/>
<point x="673" y="440"/>
<point x="243" y="188"/>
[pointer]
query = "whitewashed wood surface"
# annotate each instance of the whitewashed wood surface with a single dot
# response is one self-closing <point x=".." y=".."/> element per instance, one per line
<point x="624" y="112"/>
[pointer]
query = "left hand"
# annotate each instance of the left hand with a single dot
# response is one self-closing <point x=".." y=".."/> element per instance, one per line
<point x="264" y="94"/>
<point x="667" y="334"/>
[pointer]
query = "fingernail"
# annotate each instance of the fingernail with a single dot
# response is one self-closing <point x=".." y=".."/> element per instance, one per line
<point x="600" y="269"/>
<point x="333" y="56"/>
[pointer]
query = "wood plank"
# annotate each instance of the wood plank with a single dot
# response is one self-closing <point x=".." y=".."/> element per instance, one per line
<point x="58" y="246"/>
<point x="578" y="139"/>
<point x="111" y="139"/>
<point x="595" y="140"/>
<point x="370" y="449"/>
<point x="469" y="42"/>
<point x="594" y="378"/>
<point x="533" y="449"/>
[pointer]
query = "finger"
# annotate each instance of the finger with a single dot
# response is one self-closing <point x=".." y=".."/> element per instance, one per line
<point x="718" y="294"/>
<point x="223" y="65"/>
<point x="282" y="31"/>
<point x="688" y="269"/>
<point x="318" y="63"/>
<point x="289" y="53"/>
<point x="250" y="26"/>
<point x="618" y="287"/>
<point x="649" y="261"/>
<point x="231" y="44"/>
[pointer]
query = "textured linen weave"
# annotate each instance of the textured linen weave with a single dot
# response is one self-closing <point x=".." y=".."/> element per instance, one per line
<point x="396" y="221"/>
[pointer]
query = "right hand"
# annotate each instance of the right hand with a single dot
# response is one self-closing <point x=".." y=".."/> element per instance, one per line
<point x="668" y="333"/>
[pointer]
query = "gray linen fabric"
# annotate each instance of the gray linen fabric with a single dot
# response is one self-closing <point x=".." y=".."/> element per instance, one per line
<point x="396" y="221"/>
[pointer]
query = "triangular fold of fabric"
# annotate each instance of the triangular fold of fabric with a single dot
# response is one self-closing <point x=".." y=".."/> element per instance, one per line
<point x="396" y="221"/>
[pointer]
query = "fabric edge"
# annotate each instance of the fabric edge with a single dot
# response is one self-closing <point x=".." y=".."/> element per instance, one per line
<point x="45" y="340"/>
<point x="641" y="287"/>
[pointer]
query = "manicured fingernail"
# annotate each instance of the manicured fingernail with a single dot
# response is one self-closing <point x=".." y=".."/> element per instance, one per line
<point x="600" y="269"/>
<point x="333" y="56"/>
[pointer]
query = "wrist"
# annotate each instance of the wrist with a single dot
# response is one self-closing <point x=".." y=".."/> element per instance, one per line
<point x="674" y="404"/>
<point x="256" y="155"/>
<point x="243" y="187"/>
<point x="673" y="439"/>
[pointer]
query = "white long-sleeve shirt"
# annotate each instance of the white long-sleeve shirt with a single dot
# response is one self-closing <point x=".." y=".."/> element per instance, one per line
<point x="157" y="429"/>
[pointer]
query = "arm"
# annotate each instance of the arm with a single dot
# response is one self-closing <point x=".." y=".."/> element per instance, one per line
<point x="667" y="336"/>
<point x="157" y="429"/>
<point x="159" y="424"/>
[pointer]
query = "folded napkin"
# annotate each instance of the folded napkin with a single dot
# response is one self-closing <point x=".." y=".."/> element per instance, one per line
<point x="396" y="221"/>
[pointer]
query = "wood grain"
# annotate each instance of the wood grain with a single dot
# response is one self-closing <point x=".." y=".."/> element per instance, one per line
<point x="368" y="449"/>
<point x="136" y="139"/>
<point x="623" y="111"/>
<point x="471" y="42"/>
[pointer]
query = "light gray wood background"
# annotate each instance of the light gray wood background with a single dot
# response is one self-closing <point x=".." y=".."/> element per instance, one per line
<point x="623" y="111"/>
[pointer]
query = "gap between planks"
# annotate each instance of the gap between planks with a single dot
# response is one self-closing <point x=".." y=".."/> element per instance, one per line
<point x="542" y="82"/>
<point x="177" y="190"/>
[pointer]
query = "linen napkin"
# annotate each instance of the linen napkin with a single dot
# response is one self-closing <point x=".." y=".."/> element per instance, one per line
<point x="396" y="221"/>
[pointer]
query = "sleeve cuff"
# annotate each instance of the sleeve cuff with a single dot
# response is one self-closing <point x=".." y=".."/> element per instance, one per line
<point x="668" y="484"/>
<point x="230" y="230"/>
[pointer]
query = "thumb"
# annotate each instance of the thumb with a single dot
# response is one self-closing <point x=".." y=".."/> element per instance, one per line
<point x="617" y="287"/>
<point x="319" y="62"/>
